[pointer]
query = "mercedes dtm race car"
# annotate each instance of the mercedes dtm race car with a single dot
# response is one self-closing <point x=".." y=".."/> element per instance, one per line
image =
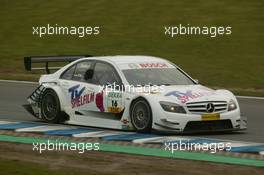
<point x="132" y="93"/>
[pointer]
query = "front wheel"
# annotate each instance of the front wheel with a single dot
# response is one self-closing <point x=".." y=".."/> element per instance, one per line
<point x="141" y="115"/>
<point x="50" y="107"/>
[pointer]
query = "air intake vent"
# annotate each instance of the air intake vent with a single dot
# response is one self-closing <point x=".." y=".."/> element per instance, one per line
<point x="207" y="107"/>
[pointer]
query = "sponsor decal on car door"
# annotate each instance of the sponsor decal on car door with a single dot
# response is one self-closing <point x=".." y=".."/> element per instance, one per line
<point x="115" y="102"/>
<point x="109" y="101"/>
<point x="80" y="96"/>
<point x="86" y="97"/>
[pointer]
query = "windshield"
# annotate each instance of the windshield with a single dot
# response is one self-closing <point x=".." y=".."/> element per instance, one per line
<point x="167" y="76"/>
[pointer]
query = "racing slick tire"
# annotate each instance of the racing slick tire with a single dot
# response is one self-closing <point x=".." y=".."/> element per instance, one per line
<point x="141" y="115"/>
<point x="50" y="107"/>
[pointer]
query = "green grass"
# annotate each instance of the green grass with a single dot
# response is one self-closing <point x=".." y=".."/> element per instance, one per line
<point x="17" y="167"/>
<point x="135" y="27"/>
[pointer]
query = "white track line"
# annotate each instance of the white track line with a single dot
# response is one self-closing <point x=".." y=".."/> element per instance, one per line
<point x="42" y="128"/>
<point x="161" y="139"/>
<point x="7" y="122"/>
<point x="15" y="81"/>
<point x="97" y="134"/>
<point x="250" y="97"/>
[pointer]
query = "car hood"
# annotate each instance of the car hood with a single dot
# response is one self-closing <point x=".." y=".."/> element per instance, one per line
<point x="193" y="93"/>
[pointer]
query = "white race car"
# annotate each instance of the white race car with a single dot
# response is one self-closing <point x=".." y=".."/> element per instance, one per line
<point x="131" y="93"/>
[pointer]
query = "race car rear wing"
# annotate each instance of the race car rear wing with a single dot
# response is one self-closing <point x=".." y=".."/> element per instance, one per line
<point x="28" y="61"/>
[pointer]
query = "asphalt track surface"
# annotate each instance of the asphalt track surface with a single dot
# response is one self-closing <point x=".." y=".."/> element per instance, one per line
<point x="13" y="96"/>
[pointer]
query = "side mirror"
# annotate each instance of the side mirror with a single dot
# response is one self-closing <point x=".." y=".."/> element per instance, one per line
<point x="89" y="74"/>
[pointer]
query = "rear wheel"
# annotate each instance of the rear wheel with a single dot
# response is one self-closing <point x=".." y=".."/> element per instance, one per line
<point x="141" y="115"/>
<point x="50" y="107"/>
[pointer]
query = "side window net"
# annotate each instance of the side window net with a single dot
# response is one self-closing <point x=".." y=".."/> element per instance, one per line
<point x="105" y="74"/>
<point x="81" y="69"/>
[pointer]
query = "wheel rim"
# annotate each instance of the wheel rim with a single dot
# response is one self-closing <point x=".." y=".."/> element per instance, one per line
<point x="49" y="107"/>
<point x="140" y="115"/>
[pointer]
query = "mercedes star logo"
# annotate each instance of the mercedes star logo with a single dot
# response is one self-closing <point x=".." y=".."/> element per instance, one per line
<point x="210" y="107"/>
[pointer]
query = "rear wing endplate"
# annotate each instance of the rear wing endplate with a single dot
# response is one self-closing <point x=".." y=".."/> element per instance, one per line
<point x="28" y="61"/>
